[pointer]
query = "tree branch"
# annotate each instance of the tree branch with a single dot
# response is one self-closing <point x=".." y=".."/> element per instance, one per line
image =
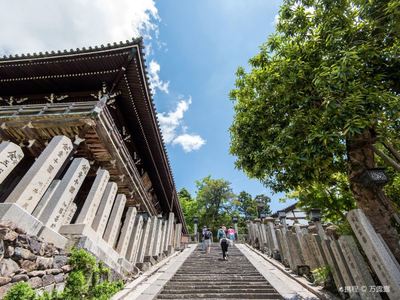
<point x="386" y="158"/>
<point x="392" y="150"/>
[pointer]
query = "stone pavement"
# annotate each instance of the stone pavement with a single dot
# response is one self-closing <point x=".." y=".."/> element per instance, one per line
<point x="196" y="275"/>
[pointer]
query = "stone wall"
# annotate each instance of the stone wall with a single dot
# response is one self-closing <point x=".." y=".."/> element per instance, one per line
<point x="28" y="258"/>
<point x="368" y="271"/>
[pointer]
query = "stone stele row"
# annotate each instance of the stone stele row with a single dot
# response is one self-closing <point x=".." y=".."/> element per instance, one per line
<point x="44" y="206"/>
<point x="306" y="248"/>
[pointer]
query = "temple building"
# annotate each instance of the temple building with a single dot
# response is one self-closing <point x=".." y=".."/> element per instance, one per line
<point x="82" y="159"/>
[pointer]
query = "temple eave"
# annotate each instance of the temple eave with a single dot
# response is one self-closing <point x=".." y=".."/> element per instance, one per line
<point x="100" y="141"/>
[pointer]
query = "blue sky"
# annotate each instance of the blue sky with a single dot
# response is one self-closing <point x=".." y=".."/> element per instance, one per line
<point x="194" y="48"/>
<point x="205" y="43"/>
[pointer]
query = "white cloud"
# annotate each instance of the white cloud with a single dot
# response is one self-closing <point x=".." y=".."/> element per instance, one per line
<point x="155" y="81"/>
<point x="169" y="122"/>
<point x="189" y="142"/>
<point x="172" y="122"/>
<point x="44" y="25"/>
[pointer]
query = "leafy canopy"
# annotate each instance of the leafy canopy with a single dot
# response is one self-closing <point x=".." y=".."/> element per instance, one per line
<point x="215" y="204"/>
<point x="214" y="198"/>
<point x="329" y="72"/>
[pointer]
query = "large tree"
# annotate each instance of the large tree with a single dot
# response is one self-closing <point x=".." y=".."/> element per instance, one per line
<point x="322" y="91"/>
<point x="248" y="208"/>
<point x="215" y="199"/>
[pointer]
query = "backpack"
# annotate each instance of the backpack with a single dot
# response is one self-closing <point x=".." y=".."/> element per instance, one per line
<point x="207" y="235"/>
<point x="221" y="233"/>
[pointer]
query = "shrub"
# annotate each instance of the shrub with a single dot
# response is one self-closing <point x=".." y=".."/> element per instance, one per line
<point x="321" y="275"/>
<point x="87" y="280"/>
<point x="20" y="291"/>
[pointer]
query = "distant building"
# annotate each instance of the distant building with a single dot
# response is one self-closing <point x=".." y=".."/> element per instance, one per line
<point x="293" y="214"/>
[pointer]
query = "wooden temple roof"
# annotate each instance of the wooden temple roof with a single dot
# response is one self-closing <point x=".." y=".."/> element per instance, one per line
<point x="79" y="76"/>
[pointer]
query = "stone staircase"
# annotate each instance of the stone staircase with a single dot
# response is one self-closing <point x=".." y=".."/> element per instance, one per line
<point x="207" y="276"/>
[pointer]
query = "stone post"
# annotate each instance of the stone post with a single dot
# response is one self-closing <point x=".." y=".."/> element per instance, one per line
<point x="65" y="193"/>
<point x="252" y="233"/>
<point x="143" y="242"/>
<point x="171" y="247"/>
<point x="286" y="246"/>
<point x="308" y="257"/>
<point x="333" y="264"/>
<point x="195" y="232"/>
<point x="278" y="235"/>
<point x="157" y="242"/>
<point x="382" y="262"/>
<point x="92" y="202"/>
<point x="133" y="248"/>
<point x="178" y="236"/>
<point x="260" y="234"/>
<point x="315" y="243"/>
<point x="271" y="233"/>
<point x="34" y="184"/>
<point x="69" y="213"/>
<point x="113" y="225"/>
<point x="103" y="212"/>
<point x="46" y="198"/>
<point x="151" y="243"/>
<point x="163" y="237"/>
<point x="10" y="156"/>
<point x="123" y="241"/>
<point x="354" y="270"/>
<point x="295" y="251"/>
<point x="170" y="224"/>
<point x="285" y="255"/>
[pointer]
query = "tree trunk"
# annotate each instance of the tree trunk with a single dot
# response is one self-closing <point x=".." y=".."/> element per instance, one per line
<point x="372" y="200"/>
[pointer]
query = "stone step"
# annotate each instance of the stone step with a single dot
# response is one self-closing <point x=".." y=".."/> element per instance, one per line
<point x="207" y="276"/>
<point x="218" y="276"/>
<point x="243" y="280"/>
<point x="221" y="295"/>
<point x="217" y="284"/>
<point x="227" y="286"/>
<point x="194" y="273"/>
<point x="257" y="290"/>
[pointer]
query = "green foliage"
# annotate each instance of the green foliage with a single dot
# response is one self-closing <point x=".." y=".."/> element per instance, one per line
<point x="334" y="199"/>
<point x="214" y="197"/>
<point x="248" y="207"/>
<point x="215" y="204"/>
<point x="76" y="285"/>
<point x="265" y="201"/>
<point x="321" y="275"/>
<point x="344" y="228"/>
<point x="87" y="280"/>
<point x="328" y="73"/>
<point x="20" y="291"/>
<point x="189" y="206"/>
<point x="82" y="260"/>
